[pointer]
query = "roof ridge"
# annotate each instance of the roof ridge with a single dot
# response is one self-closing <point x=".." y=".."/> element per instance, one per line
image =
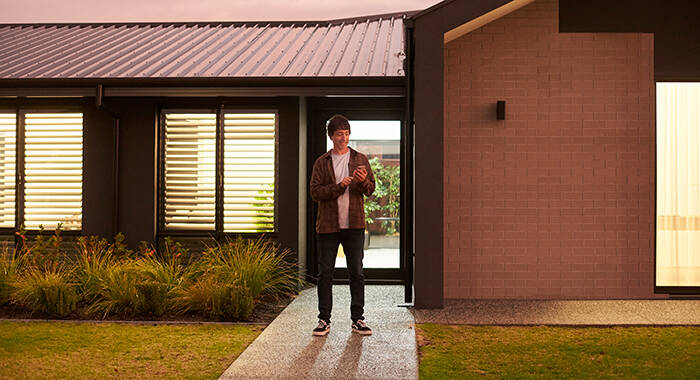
<point x="211" y="23"/>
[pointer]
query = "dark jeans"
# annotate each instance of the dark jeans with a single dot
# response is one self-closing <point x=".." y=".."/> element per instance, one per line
<point x="353" y="241"/>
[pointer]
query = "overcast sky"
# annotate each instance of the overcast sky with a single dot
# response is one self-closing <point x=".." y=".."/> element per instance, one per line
<point x="35" y="11"/>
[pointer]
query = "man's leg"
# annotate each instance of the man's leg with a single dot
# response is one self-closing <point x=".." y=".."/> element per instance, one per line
<point x="328" y="250"/>
<point x="353" y="243"/>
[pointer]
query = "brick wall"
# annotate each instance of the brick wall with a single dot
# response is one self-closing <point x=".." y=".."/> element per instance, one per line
<point x="557" y="201"/>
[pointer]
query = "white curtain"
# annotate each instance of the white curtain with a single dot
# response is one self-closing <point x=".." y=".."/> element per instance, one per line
<point x="678" y="184"/>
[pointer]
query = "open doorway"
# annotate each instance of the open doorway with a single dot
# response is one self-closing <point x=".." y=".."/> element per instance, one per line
<point x="376" y="131"/>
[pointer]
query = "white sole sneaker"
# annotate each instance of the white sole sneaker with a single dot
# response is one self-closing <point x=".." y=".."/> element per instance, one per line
<point x="356" y="331"/>
<point x="321" y="333"/>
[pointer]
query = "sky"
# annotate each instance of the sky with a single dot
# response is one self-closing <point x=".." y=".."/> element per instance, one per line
<point x="60" y="11"/>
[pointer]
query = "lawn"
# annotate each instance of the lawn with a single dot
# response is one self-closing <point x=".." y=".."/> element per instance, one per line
<point x="460" y="352"/>
<point x="56" y="350"/>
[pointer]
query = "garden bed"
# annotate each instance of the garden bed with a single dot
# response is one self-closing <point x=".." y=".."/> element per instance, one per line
<point x="264" y="312"/>
<point x="247" y="280"/>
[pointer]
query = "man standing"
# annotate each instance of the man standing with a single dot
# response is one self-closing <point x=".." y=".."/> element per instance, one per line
<point x="340" y="180"/>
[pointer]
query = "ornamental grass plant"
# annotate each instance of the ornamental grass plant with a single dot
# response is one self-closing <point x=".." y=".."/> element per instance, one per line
<point x="47" y="290"/>
<point x="11" y="262"/>
<point x="235" y="275"/>
<point x="210" y="296"/>
<point x="261" y="264"/>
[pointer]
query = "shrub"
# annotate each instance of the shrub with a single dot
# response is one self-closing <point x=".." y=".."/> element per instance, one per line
<point x="11" y="262"/>
<point x="159" y="275"/>
<point x="46" y="290"/>
<point x="116" y="291"/>
<point x="213" y="297"/>
<point x="151" y="297"/>
<point x="259" y="264"/>
<point x="95" y="257"/>
<point x="43" y="252"/>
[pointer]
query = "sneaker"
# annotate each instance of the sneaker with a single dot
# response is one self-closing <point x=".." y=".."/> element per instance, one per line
<point x="322" y="329"/>
<point x="361" y="328"/>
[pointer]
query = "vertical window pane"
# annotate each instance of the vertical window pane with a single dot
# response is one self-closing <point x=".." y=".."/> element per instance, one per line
<point x="8" y="147"/>
<point x="190" y="166"/>
<point x="249" y="172"/>
<point x="678" y="184"/>
<point x="53" y="170"/>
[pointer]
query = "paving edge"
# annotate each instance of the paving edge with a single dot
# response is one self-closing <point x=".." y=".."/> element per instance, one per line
<point x="100" y="321"/>
<point x="602" y="325"/>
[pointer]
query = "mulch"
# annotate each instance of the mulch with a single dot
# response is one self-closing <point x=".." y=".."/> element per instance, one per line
<point x="263" y="313"/>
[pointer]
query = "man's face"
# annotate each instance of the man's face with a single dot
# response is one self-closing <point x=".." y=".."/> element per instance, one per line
<point x="340" y="139"/>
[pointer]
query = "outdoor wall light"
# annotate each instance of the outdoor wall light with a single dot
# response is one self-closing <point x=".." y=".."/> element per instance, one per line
<point x="501" y="110"/>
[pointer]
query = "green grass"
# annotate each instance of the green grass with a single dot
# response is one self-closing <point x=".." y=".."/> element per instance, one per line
<point x="55" y="350"/>
<point x="463" y="352"/>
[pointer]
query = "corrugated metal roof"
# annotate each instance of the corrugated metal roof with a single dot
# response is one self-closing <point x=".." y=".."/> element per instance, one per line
<point x="360" y="47"/>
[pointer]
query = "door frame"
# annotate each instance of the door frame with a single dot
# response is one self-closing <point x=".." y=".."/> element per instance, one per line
<point x="321" y="109"/>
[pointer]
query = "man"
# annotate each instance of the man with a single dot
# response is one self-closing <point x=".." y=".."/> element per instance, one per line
<point x="340" y="180"/>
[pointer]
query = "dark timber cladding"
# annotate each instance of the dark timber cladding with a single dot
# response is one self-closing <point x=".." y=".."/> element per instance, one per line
<point x="430" y="25"/>
<point x="673" y="22"/>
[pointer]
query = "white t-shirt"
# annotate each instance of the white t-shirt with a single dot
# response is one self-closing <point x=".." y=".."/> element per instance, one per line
<point x="340" y="167"/>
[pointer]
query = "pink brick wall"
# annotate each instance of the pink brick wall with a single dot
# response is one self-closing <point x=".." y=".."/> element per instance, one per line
<point x="558" y="200"/>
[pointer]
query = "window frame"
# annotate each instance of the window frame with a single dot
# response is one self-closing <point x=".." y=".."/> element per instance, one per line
<point x="20" y="111"/>
<point x="218" y="233"/>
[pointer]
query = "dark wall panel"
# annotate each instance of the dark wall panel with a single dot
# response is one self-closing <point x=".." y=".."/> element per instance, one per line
<point x="98" y="153"/>
<point x="288" y="173"/>
<point x="428" y="163"/>
<point x="673" y="22"/>
<point x="137" y="164"/>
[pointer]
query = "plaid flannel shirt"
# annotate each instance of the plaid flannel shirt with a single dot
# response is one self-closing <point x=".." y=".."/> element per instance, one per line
<point x="325" y="191"/>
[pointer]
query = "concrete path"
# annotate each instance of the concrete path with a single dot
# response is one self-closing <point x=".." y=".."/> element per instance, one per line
<point x="564" y="313"/>
<point x="287" y="350"/>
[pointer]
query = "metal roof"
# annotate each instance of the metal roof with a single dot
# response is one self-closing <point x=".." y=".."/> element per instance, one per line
<point x="360" y="47"/>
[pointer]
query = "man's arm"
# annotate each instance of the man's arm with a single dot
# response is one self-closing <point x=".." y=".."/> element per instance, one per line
<point x="321" y="192"/>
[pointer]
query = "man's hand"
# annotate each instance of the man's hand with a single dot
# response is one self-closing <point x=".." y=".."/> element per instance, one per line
<point x="346" y="181"/>
<point x="359" y="175"/>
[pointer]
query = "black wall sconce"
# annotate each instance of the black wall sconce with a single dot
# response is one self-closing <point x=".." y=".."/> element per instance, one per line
<point x="501" y="110"/>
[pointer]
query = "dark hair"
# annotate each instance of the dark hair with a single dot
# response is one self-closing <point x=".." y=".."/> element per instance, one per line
<point x="337" y="122"/>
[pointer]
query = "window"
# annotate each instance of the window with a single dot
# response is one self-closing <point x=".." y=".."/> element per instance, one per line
<point x="8" y="159"/>
<point x="249" y="172"/>
<point x="246" y="168"/>
<point x="53" y="170"/>
<point x="51" y="167"/>
<point x="190" y="167"/>
<point x="678" y="184"/>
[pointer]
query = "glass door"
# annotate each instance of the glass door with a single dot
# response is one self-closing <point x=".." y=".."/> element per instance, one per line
<point x="376" y="126"/>
<point x="380" y="141"/>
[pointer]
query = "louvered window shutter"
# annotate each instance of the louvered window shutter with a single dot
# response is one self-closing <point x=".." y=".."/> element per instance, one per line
<point x="8" y="149"/>
<point x="53" y="170"/>
<point x="190" y="166"/>
<point x="249" y="172"/>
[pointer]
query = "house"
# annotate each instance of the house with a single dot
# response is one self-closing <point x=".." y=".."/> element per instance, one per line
<point x="526" y="134"/>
